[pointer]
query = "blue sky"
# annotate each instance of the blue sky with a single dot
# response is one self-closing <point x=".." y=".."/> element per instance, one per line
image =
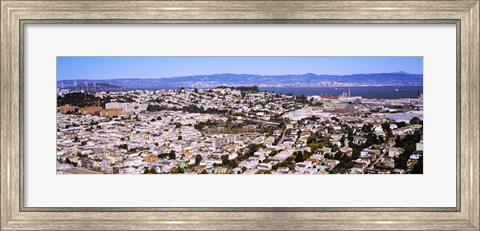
<point x="161" y="67"/>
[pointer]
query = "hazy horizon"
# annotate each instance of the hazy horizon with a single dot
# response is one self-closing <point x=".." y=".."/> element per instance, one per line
<point x="110" y="68"/>
<point x="241" y="74"/>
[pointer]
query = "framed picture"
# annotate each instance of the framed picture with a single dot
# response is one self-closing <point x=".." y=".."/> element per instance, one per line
<point x="228" y="115"/>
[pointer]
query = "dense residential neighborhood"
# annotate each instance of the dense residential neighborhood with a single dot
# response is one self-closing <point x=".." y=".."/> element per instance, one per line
<point x="236" y="130"/>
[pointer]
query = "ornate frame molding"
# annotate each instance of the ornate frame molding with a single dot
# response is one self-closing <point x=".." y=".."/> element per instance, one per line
<point x="15" y="14"/>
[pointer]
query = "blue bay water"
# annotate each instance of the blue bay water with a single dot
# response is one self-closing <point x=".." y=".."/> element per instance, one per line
<point x="380" y="92"/>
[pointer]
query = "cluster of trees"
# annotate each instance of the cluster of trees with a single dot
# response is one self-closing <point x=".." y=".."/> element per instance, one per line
<point x="67" y="161"/>
<point x="171" y="155"/>
<point x="226" y="162"/>
<point x="253" y="89"/>
<point x="302" y="99"/>
<point x="346" y="161"/>
<point x="251" y="149"/>
<point x="418" y="167"/>
<point x="80" y="99"/>
<point x="231" y="124"/>
<point x="155" y="107"/>
<point x="172" y="171"/>
<point x="289" y="163"/>
<point x="207" y="124"/>
<point x="301" y="156"/>
<point x="241" y="88"/>
<point x="408" y="144"/>
<point x="150" y="171"/>
<point x="80" y="155"/>
<point x="125" y="99"/>
<point x="178" y="170"/>
<point x="416" y="120"/>
<point x="177" y="125"/>
<point x="245" y="90"/>
<point x="223" y="87"/>
<point x="198" y="159"/>
<point x="316" y="141"/>
<point x="388" y="131"/>
<point x="123" y="146"/>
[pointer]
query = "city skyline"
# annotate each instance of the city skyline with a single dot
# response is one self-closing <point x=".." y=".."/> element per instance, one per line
<point x="279" y="116"/>
<point x="104" y="68"/>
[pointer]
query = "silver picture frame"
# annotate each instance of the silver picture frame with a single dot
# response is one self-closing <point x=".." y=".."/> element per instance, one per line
<point x="16" y="14"/>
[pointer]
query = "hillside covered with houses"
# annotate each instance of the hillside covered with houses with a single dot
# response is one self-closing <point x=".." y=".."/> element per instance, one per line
<point x="236" y="130"/>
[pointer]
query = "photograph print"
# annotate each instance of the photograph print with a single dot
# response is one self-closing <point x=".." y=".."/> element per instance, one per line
<point x="239" y="115"/>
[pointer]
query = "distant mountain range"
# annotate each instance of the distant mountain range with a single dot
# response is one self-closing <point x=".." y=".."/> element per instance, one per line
<point x="305" y="80"/>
